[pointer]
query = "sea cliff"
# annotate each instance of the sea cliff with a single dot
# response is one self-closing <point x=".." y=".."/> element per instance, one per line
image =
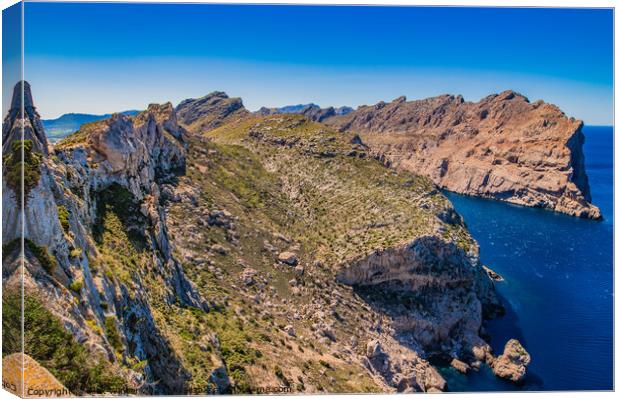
<point x="503" y="147"/>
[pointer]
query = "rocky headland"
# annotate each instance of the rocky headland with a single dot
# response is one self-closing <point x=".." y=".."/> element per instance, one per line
<point x="503" y="147"/>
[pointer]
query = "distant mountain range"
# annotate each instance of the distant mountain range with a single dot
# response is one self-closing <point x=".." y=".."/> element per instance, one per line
<point x="61" y="127"/>
<point x="66" y="124"/>
<point x="311" y="111"/>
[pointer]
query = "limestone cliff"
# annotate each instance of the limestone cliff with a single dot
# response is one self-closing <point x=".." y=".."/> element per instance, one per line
<point x="96" y="237"/>
<point x="502" y="147"/>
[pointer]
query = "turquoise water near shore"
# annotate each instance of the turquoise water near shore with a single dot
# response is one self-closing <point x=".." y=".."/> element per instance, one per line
<point x="558" y="288"/>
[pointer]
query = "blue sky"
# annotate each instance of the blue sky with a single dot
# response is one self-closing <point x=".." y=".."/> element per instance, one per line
<point x="11" y="52"/>
<point x="99" y="58"/>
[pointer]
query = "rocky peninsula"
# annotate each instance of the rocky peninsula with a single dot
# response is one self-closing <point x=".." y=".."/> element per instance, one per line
<point x="503" y="147"/>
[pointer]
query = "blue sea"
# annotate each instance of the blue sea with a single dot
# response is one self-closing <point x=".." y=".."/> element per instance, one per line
<point x="558" y="288"/>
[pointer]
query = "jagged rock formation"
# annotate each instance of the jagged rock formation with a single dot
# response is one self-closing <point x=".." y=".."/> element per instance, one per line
<point x="437" y="274"/>
<point x="310" y="111"/>
<point x="208" y="112"/>
<point x="502" y="147"/>
<point x="512" y="363"/>
<point x="23" y="119"/>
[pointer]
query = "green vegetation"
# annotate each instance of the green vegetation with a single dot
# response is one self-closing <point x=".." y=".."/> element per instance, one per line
<point x="119" y="234"/>
<point x="75" y="252"/>
<point x="77" y="285"/>
<point x="50" y="344"/>
<point x="112" y="333"/>
<point x="325" y="364"/>
<point x="313" y="200"/>
<point x="8" y="248"/>
<point x="63" y="217"/>
<point x="13" y="166"/>
<point x="41" y="253"/>
<point x="47" y="261"/>
<point x="280" y="374"/>
<point x="344" y="205"/>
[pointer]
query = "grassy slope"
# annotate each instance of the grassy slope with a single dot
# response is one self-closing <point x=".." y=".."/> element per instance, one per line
<point x="295" y="181"/>
<point x="290" y="184"/>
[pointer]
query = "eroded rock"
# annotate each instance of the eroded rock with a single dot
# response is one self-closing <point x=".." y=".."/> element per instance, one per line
<point x="512" y="364"/>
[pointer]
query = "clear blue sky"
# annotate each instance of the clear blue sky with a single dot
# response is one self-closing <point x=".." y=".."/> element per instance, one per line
<point x="99" y="58"/>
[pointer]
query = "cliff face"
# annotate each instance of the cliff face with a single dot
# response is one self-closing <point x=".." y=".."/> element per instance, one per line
<point x="97" y="248"/>
<point x="502" y="147"/>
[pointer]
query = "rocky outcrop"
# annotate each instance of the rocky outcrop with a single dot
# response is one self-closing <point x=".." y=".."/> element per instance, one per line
<point x="503" y="147"/>
<point x="402" y="368"/>
<point x="23" y="119"/>
<point x="302" y="247"/>
<point x="209" y="112"/>
<point x="511" y="364"/>
<point x="436" y="294"/>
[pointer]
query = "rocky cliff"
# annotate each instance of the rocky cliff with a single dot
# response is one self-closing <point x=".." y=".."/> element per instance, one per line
<point x="97" y="249"/>
<point x="503" y="147"/>
<point x="250" y="253"/>
<point x="22" y="122"/>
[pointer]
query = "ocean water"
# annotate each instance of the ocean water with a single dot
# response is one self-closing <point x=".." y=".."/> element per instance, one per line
<point x="558" y="288"/>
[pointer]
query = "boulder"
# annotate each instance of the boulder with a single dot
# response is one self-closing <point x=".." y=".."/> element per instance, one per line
<point x="289" y="258"/>
<point x="247" y="276"/>
<point x="220" y="219"/>
<point x="289" y="330"/>
<point x="220" y="249"/>
<point x="459" y="365"/>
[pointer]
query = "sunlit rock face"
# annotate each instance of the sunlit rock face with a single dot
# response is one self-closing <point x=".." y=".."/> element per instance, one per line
<point x="503" y="147"/>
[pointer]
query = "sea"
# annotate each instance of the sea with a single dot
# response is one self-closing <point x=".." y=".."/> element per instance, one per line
<point x="558" y="288"/>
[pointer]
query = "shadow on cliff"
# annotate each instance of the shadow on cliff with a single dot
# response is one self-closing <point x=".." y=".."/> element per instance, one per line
<point x="394" y="304"/>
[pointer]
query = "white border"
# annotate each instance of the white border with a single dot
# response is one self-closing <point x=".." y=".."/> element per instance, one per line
<point x="490" y="3"/>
